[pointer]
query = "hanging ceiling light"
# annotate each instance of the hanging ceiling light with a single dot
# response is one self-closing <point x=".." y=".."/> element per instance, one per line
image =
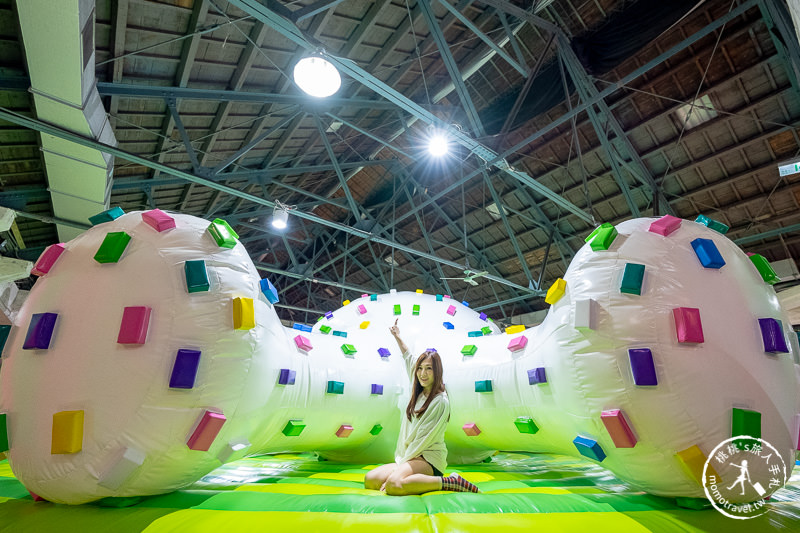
<point x="317" y="76"/>
<point x="438" y="145"/>
<point x="280" y="216"/>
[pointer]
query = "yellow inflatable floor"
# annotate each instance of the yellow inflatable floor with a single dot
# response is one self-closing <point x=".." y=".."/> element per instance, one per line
<point x="299" y="493"/>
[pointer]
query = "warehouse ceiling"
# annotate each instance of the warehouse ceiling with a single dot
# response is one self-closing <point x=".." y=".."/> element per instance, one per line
<point x="562" y="115"/>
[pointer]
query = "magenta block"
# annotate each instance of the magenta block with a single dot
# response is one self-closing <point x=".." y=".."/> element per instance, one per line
<point x="451" y="310"/>
<point x="47" y="259"/>
<point x="303" y="343"/>
<point x="665" y="225"/>
<point x="135" y="321"/>
<point x="344" y="431"/>
<point x="617" y="425"/>
<point x="206" y="431"/>
<point x="471" y="429"/>
<point x="362" y="310"/>
<point x="517" y="343"/>
<point x="687" y="324"/>
<point x="158" y="220"/>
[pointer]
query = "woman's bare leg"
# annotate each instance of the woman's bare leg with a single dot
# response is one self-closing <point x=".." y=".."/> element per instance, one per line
<point x="414" y="477"/>
<point x="376" y="477"/>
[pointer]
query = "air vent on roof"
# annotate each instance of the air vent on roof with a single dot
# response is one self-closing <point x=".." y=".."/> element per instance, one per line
<point x="494" y="211"/>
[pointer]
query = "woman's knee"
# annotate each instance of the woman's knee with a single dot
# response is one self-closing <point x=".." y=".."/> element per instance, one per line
<point x="372" y="480"/>
<point x="394" y="486"/>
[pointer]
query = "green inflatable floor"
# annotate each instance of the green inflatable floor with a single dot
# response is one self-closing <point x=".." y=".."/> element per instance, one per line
<point x="298" y="492"/>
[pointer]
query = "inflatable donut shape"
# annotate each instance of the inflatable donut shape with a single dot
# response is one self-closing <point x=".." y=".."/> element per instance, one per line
<point x="148" y="354"/>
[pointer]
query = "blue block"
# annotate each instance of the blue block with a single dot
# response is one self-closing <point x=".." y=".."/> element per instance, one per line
<point x="269" y="291"/>
<point x="106" y="216"/>
<point x="302" y="327"/>
<point x="536" y="376"/>
<point x="589" y="448"/>
<point x="465" y="303"/>
<point x="184" y="371"/>
<point x="448" y="325"/>
<point x="642" y="367"/>
<point x="706" y="251"/>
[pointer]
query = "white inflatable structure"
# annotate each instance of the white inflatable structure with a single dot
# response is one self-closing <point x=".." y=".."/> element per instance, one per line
<point x="148" y="354"/>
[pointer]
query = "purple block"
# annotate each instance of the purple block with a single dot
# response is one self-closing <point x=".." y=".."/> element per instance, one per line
<point x="432" y="350"/>
<point x="536" y="376"/>
<point x="643" y="367"/>
<point x="329" y="315"/>
<point x="184" y="371"/>
<point x="40" y="331"/>
<point x="384" y="352"/>
<point x="287" y="376"/>
<point x="377" y="389"/>
<point x="772" y="333"/>
<point x="483" y="316"/>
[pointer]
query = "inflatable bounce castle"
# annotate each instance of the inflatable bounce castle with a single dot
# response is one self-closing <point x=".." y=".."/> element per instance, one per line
<point x="149" y="353"/>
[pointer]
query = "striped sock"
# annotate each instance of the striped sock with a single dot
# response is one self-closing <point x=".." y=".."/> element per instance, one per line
<point x="456" y="483"/>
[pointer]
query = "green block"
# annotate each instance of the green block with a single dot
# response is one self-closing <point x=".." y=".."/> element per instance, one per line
<point x="469" y="349"/>
<point x="325" y="329"/>
<point x="377" y="428"/>
<point x="106" y="216"/>
<point x="320" y="318"/>
<point x="712" y="224"/>
<point x="483" y="385"/>
<point x="294" y="428"/>
<point x="397" y="309"/>
<point x="335" y="387"/>
<point x="692" y="503"/>
<point x="475" y="334"/>
<point x="196" y="276"/>
<point x="525" y="424"/>
<point x="348" y="349"/>
<point x="486" y="330"/>
<point x="5" y="330"/>
<point x="415" y="310"/>
<point x="602" y="236"/>
<point x="745" y="423"/>
<point x="112" y="248"/>
<point x="3" y="433"/>
<point x="222" y="233"/>
<point x="632" y="279"/>
<point x="765" y="269"/>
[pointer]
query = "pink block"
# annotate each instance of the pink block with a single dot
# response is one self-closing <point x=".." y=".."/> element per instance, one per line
<point x="206" y="431"/>
<point x="36" y="497"/>
<point x="158" y="219"/>
<point x="619" y="429"/>
<point x="446" y="296"/>
<point x="135" y="321"/>
<point x="361" y="309"/>
<point x="797" y="418"/>
<point x="687" y="324"/>
<point x="665" y="225"/>
<point x="451" y="310"/>
<point x="365" y="295"/>
<point x="471" y="430"/>
<point x="303" y="343"/>
<point x="517" y="343"/>
<point x="344" y="431"/>
<point x="47" y="259"/>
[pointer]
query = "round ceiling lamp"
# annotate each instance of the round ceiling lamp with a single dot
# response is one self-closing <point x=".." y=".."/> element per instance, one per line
<point x="317" y="76"/>
<point x="280" y="217"/>
<point x="438" y="145"/>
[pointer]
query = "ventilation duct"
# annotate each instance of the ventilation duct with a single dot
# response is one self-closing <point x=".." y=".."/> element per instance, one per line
<point x="58" y="38"/>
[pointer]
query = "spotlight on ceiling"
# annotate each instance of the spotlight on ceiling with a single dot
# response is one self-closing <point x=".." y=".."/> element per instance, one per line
<point x="317" y="76"/>
<point x="280" y="216"/>
<point x="438" y="145"/>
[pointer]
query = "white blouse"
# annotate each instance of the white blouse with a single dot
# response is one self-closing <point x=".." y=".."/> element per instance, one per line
<point x="424" y="435"/>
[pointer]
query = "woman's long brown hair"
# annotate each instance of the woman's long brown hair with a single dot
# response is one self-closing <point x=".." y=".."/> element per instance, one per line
<point x="438" y="383"/>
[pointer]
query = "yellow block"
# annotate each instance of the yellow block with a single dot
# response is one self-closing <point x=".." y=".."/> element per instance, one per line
<point x="556" y="291"/>
<point x="67" y="432"/>
<point x="693" y="459"/>
<point x="419" y="291"/>
<point x="515" y="329"/>
<point x="244" y="314"/>
<point x="364" y="325"/>
<point x="345" y="302"/>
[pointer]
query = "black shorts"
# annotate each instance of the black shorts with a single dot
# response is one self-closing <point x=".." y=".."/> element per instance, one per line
<point x="436" y="471"/>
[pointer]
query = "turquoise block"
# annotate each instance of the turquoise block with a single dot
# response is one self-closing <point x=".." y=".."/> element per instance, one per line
<point x="589" y="448"/>
<point x="632" y="279"/>
<point x="196" y="276"/>
<point x="106" y="216"/>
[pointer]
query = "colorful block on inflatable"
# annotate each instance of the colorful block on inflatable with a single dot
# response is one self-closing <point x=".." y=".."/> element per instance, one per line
<point x="133" y="369"/>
